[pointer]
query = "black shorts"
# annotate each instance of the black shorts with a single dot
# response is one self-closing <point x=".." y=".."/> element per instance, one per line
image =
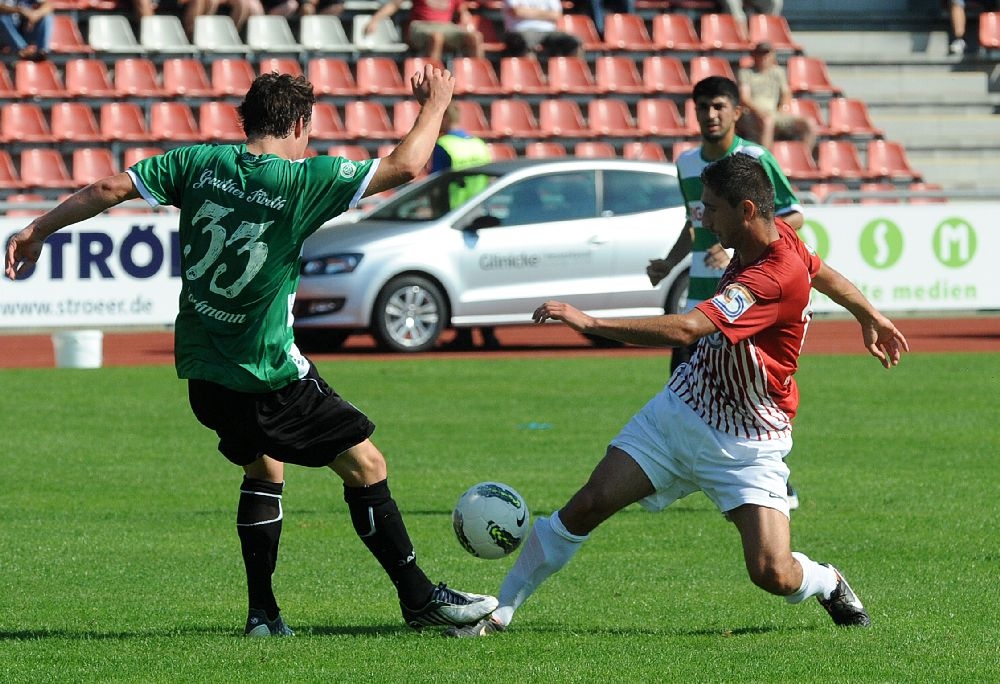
<point x="305" y="422"/>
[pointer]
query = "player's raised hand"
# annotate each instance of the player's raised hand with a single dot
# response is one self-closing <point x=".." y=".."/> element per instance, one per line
<point x="433" y="83"/>
<point x="23" y="250"/>
<point x="559" y="311"/>
<point x="884" y="341"/>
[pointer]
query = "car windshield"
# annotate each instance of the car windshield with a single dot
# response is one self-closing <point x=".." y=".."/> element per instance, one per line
<point x="434" y="198"/>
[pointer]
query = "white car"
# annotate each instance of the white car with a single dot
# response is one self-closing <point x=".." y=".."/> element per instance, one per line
<point x="578" y="230"/>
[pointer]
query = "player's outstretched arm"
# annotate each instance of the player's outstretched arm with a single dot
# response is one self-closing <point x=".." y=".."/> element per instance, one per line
<point x="25" y="247"/>
<point x="672" y="330"/>
<point x="882" y="339"/>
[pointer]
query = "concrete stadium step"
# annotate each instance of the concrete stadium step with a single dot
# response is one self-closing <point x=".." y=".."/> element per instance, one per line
<point x="935" y="130"/>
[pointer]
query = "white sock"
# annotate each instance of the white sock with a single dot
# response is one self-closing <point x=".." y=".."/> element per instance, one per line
<point x="548" y="548"/>
<point x="817" y="580"/>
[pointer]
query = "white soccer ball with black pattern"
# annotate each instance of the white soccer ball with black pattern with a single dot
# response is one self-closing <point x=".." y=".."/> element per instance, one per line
<point x="491" y="519"/>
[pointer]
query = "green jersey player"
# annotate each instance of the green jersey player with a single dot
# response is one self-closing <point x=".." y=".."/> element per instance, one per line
<point x="245" y="211"/>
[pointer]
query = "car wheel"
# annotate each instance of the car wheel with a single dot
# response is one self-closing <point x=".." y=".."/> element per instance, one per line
<point x="677" y="297"/>
<point x="409" y="315"/>
<point x="320" y="339"/>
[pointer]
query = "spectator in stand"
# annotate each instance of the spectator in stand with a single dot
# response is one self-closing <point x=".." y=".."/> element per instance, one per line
<point x="187" y="10"/>
<point x="530" y="28"/>
<point x="26" y="27"/>
<point x="597" y="9"/>
<point x="433" y="26"/>
<point x="302" y="8"/>
<point x="735" y="7"/>
<point x="766" y="99"/>
<point x="956" y="12"/>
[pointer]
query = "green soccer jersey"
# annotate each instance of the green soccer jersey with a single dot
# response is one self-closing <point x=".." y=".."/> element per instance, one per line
<point x="689" y="167"/>
<point x="243" y="219"/>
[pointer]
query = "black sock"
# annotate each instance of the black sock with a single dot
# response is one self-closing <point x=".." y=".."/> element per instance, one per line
<point x="258" y="523"/>
<point x="378" y="522"/>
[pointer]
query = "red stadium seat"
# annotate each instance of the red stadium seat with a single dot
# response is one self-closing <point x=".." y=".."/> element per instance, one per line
<point x="571" y="75"/>
<point x="332" y="76"/>
<point x="680" y="147"/>
<point x="887" y="159"/>
<point x="91" y="164"/>
<point x="610" y="117"/>
<point x="131" y="155"/>
<point x="380" y="76"/>
<point x="9" y="177"/>
<point x="808" y="76"/>
<point x="594" y="149"/>
<point x="38" y="79"/>
<point x="675" y="31"/>
<point x="368" y="119"/>
<point x="627" y="32"/>
<point x="349" y="151"/>
<point x="839" y="159"/>
<point x="475" y="76"/>
<point x="219" y="121"/>
<point x="501" y="151"/>
<point x="173" y="121"/>
<point x="513" y="118"/>
<point x="808" y="108"/>
<point x="721" y="31"/>
<point x="24" y="122"/>
<point x="523" y="76"/>
<point x="472" y="119"/>
<point x="582" y="26"/>
<point x="660" y="117"/>
<point x="66" y="36"/>
<point x="544" y="149"/>
<point x="231" y="76"/>
<point x="137" y="77"/>
<point x="74" y="122"/>
<point x="327" y="123"/>
<point x="926" y="193"/>
<point x="989" y="30"/>
<point x="45" y="168"/>
<point x="796" y="161"/>
<point x="850" y="117"/>
<point x="617" y="74"/>
<point x="87" y="77"/>
<point x="822" y="191"/>
<point x="186" y="77"/>
<point x="665" y="74"/>
<point x="704" y="66"/>
<point x="280" y="65"/>
<point x="645" y="151"/>
<point x="124" y="121"/>
<point x="879" y="187"/>
<point x="562" y="118"/>
<point x="773" y="29"/>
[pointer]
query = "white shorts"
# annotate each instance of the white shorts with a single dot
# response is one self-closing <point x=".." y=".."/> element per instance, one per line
<point x="680" y="455"/>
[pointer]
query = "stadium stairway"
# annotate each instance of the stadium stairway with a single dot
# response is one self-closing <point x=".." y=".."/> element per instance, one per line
<point x="943" y="108"/>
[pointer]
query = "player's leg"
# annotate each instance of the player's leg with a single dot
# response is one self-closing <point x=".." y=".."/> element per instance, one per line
<point x="616" y="482"/>
<point x="775" y="568"/>
<point x="379" y="524"/>
<point x="258" y="524"/>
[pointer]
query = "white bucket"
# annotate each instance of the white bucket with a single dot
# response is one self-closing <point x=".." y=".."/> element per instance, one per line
<point x="78" y="348"/>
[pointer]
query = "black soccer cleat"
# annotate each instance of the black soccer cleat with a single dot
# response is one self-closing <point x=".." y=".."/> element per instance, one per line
<point x="259" y="626"/>
<point x="843" y="605"/>
<point x="448" y="608"/>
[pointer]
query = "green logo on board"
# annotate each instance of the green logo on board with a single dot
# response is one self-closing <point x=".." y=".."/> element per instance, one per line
<point x="881" y="243"/>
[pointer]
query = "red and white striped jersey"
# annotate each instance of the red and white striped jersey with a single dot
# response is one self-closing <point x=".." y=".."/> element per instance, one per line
<point x="739" y="379"/>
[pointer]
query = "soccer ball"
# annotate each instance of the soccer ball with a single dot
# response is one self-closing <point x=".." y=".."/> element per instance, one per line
<point x="490" y="520"/>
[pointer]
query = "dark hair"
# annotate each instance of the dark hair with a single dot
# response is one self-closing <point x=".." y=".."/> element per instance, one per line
<point x="740" y="177"/>
<point x="714" y="86"/>
<point x="274" y="103"/>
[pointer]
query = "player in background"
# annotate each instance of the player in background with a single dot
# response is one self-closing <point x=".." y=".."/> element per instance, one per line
<point x="724" y="421"/>
<point x="717" y="105"/>
<point x="245" y="211"/>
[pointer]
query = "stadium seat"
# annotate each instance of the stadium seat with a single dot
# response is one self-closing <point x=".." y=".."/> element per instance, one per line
<point x="327" y="123"/>
<point x="38" y="79"/>
<point x="232" y="76"/>
<point x="492" y="33"/>
<point x="385" y="39"/>
<point x="807" y="76"/>
<point x="404" y="113"/>
<point x="644" y="151"/>
<point x="926" y="193"/>
<point x="773" y="29"/>
<point x="691" y="118"/>
<point x="989" y="30"/>
<point x="659" y="116"/>
<point x="850" y="117"/>
<point x="544" y="149"/>
<point x="594" y="149"/>
<point x="173" y="121"/>
<point x="271" y="33"/>
<point x="562" y="119"/>
<point x="186" y="77"/>
<point x="24" y="198"/>
<point x="282" y="65"/>
<point x="380" y="76"/>
<point x="472" y="119"/>
<point x="704" y="66"/>
<point x="475" y="76"/>
<point x="513" y="118"/>
<point x="220" y="122"/>
<point x="131" y="155"/>
<point x="887" y="159"/>
<point x="610" y="117"/>
<point x="217" y="34"/>
<point x="879" y="187"/>
<point x="796" y="161"/>
<point x="571" y="75"/>
<point x="839" y="159"/>
<point x="112" y="33"/>
<point x="124" y="122"/>
<point x="74" y="122"/>
<point x="332" y="76"/>
<point x="7" y="91"/>
<point x="627" y="32"/>
<point x="87" y="77"/>
<point x="90" y="164"/>
<point x="665" y="74"/>
<point x="45" y="168"/>
<point x="349" y="151"/>
<point x="523" y="76"/>
<point x="413" y="64"/>
<point x="24" y="122"/>
<point x="324" y="33"/>
<point x="618" y="75"/>
<point x="501" y="151"/>
<point x="583" y="27"/>
<point x="674" y="31"/>
<point x="807" y="108"/>
<point x="721" y="31"/>
<point x="137" y="77"/>
<point x="822" y="192"/>
<point x="368" y="119"/>
<point x="164" y="33"/>
<point x="66" y="36"/>
<point x="9" y="178"/>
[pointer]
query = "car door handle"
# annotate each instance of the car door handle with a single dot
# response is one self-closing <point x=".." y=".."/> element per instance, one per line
<point x="598" y="240"/>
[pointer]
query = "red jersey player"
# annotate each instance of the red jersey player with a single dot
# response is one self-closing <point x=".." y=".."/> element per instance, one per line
<point x="723" y="423"/>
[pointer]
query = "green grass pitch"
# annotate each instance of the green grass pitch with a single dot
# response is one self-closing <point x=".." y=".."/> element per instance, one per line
<point x="119" y="560"/>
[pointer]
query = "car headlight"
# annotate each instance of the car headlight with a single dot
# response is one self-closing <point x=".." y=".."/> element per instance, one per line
<point x="331" y="264"/>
